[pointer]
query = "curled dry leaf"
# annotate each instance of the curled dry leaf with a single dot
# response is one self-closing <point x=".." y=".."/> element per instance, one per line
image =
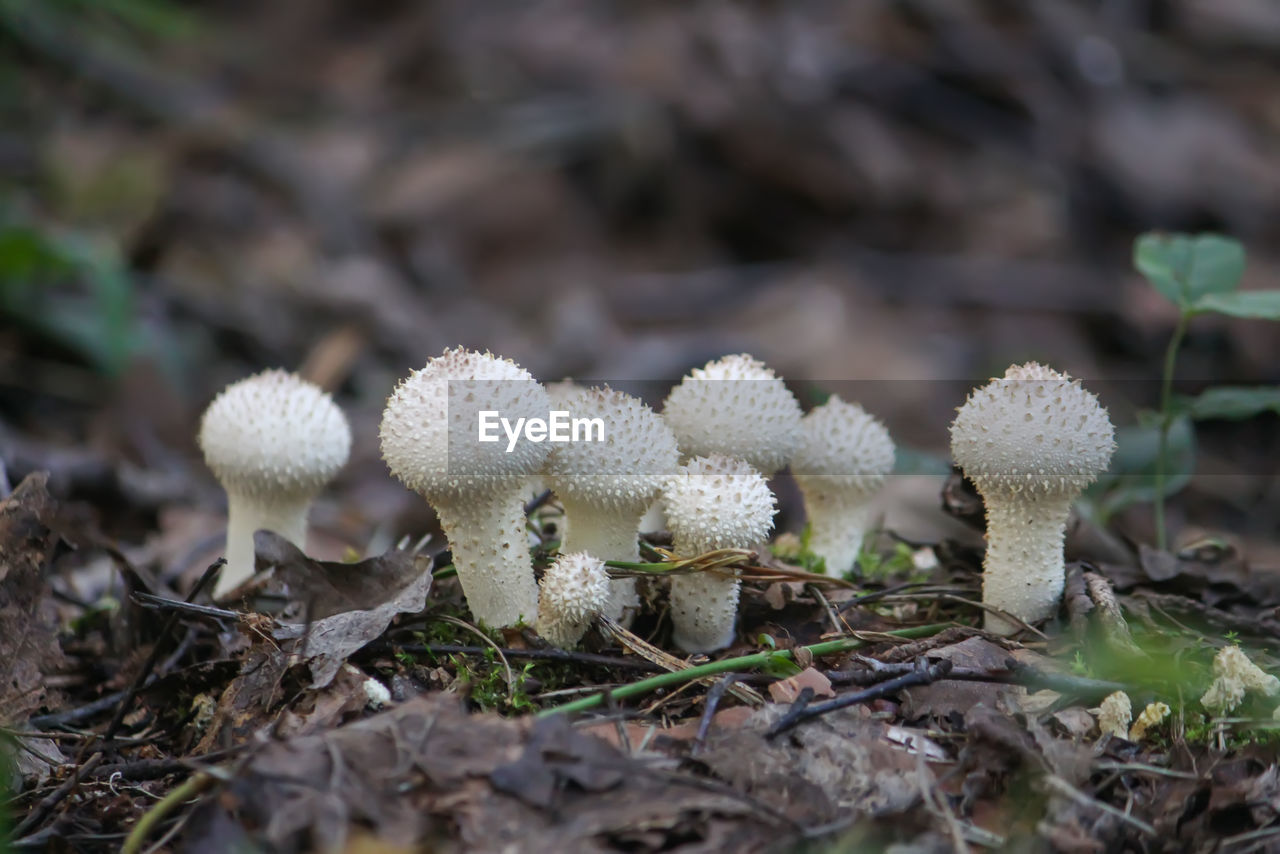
<point x="381" y="587"/>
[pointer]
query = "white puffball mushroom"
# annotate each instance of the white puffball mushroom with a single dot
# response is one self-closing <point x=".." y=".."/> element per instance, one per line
<point x="273" y="440"/>
<point x="842" y="460"/>
<point x="1030" y="442"/>
<point x="574" y="591"/>
<point x="713" y="502"/>
<point x="738" y="407"/>
<point x="430" y="441"/>
<point x="558" y="392"/>
<point x="606" y="483"/>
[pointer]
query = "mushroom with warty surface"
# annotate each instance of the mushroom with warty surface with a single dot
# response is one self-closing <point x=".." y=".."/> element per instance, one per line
<point x="273" y="440"/>
<point x="430" y="441"/>
<point x="1030" y="441"/>
<point x="737" y="407"/>
<point x="605" y="484"/>
<point x="842" y="460"/>
<point x="574" y="591"/>
<point x="712" y="502"/>
<point x="558" y="393"/>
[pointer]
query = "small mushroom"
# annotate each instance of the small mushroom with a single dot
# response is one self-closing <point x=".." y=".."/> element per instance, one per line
<point x="1114" y="715"/>
<point x="606" y="485"/>
<point x="1234" y="675"/>
<point x="843" y="459"/>
<point x="430" y="441"/>
<point x="1030" y="442"/>
<point x="273" y="440"/>
<point x="713" y="502"/>
<point x="574" y="591"/>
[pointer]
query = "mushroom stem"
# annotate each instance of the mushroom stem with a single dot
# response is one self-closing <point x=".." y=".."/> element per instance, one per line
<point x="563" y="633"/>
<point x="1024" y="572"/>
<point x="606" y="536"/>
<point x="704" y="606"/>
<point x="837" y="524"/>
<point x="246" y="514"/>
<point x="487" y="537"/>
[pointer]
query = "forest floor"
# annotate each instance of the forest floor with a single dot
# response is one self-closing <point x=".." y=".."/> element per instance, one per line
<point x="620" y="195"/>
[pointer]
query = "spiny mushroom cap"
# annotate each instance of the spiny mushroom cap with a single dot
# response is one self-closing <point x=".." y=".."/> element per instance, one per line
<point x="575" y="588"/>
<point x="274" y="433"/>
<point x="430" y="427"/>
<point x="1035" y="430"/>
<point x="718" y="502"/>
<point x="628" y="467"/>
<point x="561" y="391"/>
<point x="738" y="407"/>
<point x="843" y="439"/>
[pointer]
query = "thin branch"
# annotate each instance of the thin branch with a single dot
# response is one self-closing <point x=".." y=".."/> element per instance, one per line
<point x="148" y="666"/>
<point x="46" y="806"/>
<point x="801" y="713"/>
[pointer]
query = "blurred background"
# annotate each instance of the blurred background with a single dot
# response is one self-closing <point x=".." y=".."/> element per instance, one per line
<point x="889" y="200"/>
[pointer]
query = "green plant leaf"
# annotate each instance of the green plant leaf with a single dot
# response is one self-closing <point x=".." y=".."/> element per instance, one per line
<point x="1234" y="403"/>
<point x="1131" y="477"/>
<point x="72" y="290"/>
<point x="780" y="666"/>
<point x="1185" y="268"/>
<point x="1255" y="305"/>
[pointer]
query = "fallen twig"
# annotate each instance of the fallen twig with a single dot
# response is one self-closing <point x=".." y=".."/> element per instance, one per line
<point x="803" y="712"/>
<point x="714" y="696"/>
<point x="145" y="671"/>
<point x="46" y="806"/>
<point x="1015" y="673"/>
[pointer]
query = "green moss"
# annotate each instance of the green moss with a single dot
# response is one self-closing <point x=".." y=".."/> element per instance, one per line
<point x="873" y="564"/>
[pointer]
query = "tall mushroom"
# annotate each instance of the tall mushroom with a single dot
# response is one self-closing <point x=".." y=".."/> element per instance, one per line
<point x="1030" y="442"/>
<point x="430" y="440"/>
<point x="843" y="459"/>
<point x="713" y="502"/>
<point x="273" y="440"/>
<point x="606" y="485"/>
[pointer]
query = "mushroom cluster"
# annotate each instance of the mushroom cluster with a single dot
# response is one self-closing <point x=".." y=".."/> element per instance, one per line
<point x="606" y="485"/>
<point x="735" y="421"/>
<point x="1030" y="441"/>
